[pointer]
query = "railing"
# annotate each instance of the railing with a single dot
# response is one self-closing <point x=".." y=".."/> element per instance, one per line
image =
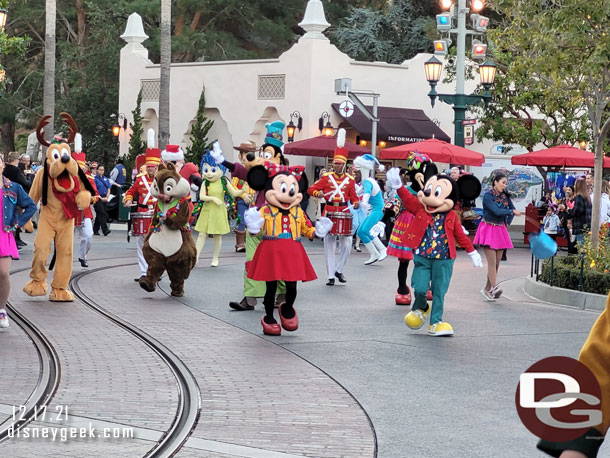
<point x="536" y="271"/>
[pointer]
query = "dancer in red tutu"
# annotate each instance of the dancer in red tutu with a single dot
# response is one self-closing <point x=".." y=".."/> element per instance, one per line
<point x="492" y="235"/>
<point x="280" y="255"/>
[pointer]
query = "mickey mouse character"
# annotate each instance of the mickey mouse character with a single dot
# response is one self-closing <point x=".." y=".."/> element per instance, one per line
<point x="432" y="235"/>
<point x="397" y="243"/>
<point x="280" y="255"/>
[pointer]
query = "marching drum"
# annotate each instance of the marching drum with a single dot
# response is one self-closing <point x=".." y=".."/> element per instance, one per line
<point x="140" y="222"/>
<point x="342" y="223"/>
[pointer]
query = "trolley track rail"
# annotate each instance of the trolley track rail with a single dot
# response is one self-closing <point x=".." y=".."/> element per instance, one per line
<point x="189" y="403"/>
<point x="48" y="379"/>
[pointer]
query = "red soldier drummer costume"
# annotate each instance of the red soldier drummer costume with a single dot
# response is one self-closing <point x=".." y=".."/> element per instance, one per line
<point x="83" y="224"/>
<point x="140" y="191"/>
<point x="339" y="190"/>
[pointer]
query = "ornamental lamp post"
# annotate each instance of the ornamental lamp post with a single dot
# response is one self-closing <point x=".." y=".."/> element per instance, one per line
<point x="487" y="70"/>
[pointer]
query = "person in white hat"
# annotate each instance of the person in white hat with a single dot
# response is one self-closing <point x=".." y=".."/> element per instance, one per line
<point x="174" y="154"/>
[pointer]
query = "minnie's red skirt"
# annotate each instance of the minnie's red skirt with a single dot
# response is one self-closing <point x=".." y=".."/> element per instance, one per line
<point x="280" y="259"/>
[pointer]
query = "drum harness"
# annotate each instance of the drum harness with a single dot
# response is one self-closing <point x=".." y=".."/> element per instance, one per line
<point x="337" y="191"/>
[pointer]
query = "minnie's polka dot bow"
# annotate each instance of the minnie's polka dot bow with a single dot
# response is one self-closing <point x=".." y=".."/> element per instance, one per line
<point x="274" y="169"/>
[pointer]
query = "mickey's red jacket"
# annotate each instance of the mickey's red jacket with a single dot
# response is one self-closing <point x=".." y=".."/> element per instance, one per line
<point x="417" y="228"/>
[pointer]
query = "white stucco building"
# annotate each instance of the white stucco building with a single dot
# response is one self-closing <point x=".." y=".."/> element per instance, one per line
<point x="241" y="96"/>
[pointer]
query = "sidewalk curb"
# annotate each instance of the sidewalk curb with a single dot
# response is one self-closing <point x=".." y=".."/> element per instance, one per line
<point x="562" y="296"/>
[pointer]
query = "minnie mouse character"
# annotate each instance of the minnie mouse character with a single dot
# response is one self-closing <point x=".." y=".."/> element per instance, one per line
<point x="432" y="235"/>
<point x="280" y="255"/>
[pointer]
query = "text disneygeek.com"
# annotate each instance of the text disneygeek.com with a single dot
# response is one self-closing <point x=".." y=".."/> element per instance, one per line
<point x="64" y="433"/>
<point x="60" y="433"/>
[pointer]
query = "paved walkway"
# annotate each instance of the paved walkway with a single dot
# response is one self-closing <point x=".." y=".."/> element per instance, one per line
<point x="307" y="393"/>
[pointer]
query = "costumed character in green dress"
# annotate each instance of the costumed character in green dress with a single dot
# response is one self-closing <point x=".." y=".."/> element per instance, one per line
<point x="216" y="193"/>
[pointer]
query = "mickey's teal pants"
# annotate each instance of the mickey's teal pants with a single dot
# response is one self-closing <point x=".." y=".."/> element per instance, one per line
<point x="433" y="274"/>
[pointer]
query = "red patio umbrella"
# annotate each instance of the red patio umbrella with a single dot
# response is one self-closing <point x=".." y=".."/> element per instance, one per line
<point x="558" y="156"/>
<point x="438" y="151"/>
<point x="322" y="146"/>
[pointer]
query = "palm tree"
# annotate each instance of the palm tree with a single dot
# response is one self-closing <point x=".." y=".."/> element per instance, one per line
<point x="166" y="59"/>
<point x="48" y="101"/>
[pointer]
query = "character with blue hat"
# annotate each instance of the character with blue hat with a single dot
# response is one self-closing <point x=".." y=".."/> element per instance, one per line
<point x="372" y="203"/>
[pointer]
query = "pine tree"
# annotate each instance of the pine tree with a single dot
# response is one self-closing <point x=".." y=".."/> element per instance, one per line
<point x="137" y="146"/>
<point x="199" y="134"/>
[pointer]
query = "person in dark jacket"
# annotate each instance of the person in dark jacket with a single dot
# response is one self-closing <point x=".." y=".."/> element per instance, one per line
<point x="16" y="175"/>
<point x="102" y="183"/>
<point x="581" y="213"/>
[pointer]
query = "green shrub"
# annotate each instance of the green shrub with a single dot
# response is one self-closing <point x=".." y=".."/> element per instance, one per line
<point x="566" y="274"/>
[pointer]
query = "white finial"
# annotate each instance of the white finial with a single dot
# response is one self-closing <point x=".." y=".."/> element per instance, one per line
<point x="134" y="32"/>
<point x="314" y="21"/>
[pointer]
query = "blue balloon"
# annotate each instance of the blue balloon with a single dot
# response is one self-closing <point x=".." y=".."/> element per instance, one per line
<point x="542" y="245"/>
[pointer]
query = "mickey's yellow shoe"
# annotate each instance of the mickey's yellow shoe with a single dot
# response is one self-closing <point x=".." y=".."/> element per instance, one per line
<point x="440" y="329"/>
<point x="415" y="319"/>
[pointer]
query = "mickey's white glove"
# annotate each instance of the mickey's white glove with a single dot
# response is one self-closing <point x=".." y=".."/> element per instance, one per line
<point x="476" y="259"/>
<point x="194" y="187"/>
<point x="393" y="179"/>
<point x="323" y="227"/>
<point x="465" y="231"/>
<point x="377" y="229"/>
<point x="217" y="154"/>
<point x="254" y="221"/>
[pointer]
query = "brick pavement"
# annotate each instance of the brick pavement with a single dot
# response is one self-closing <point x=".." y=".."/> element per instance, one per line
<point x="255" y="393"/>
<point x="106" y="373"/>
<point x="19" y="369"/>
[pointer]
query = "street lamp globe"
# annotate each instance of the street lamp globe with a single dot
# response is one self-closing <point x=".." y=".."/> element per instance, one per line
<point x="116" y="130"/>
<point x="487" y="73"/>
<point x="477" y="5"/>
<point x="3" y="15"/>
<point x="446" y="4"/>
<point x="433" y="68"/>
<point x="291" y="128"/>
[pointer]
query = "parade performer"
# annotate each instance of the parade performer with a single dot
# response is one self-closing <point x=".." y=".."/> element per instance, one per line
<point x="141" y="192"/>
<point x="397" y="243"/>
<point x="280" y="255"/>
<point x="169" y="245"/>
<point x="12" y="195"/>
<point x="83" y="224"/>
<point x="339" y="190"/>
<point x="432" y="235"/>
<point x="270" y="151"/>
<point x="372" y="203"/>
<point x="243" y="202"/>
<point x="216" y="193"/>
<point x="64" y="190"/>
<point x="492" y="233"/>
<point x="173" y="154"/>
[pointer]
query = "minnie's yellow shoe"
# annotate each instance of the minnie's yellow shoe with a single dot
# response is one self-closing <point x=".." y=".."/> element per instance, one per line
<point x="440" y="329"/>
<point x="415" y="319"/>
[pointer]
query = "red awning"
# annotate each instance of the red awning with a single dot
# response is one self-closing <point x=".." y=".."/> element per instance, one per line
<point x="322" y="146"/>
<point x="438" y="151"/>
<point x="559" y="156"/>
